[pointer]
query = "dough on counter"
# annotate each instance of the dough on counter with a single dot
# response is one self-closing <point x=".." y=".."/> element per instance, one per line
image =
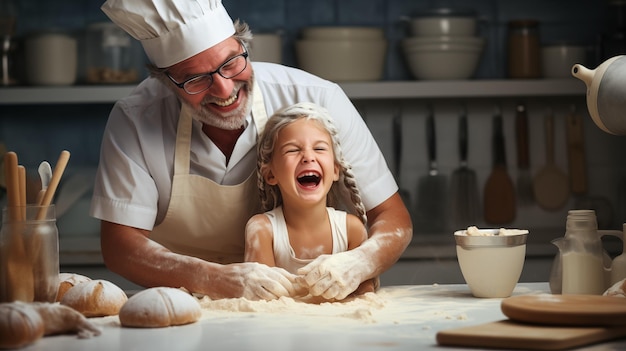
<point x="618" y="289"/>
<point x="23" y="323"/>
<point x="95" y="298"/>
<point x="20" y="325"/>
<point x="67" y="281"/>
<point x="160" y="307"/>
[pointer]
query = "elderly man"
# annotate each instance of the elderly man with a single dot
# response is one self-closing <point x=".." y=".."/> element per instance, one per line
<point x="176" y="182"/>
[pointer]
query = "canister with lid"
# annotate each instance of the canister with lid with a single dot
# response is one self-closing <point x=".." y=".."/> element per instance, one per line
<point x="51" y="58"/>
<point x="110" y="56"/>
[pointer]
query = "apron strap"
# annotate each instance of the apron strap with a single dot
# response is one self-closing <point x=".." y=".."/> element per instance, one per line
<point x="259" y="114"/>
<point x="183" y="141"/>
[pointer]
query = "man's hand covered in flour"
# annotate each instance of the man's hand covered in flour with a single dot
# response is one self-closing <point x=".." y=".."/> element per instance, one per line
<point x="335" y="276"/>
<point x="261" y="282"/>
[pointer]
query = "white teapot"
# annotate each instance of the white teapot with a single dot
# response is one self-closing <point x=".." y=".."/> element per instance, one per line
<point x="606" y="93"/>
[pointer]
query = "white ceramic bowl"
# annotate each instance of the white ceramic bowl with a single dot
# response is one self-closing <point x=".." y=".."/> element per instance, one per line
<point x="491" y="265"/>
<point x="557" y="60"/>
<point x="342" y="33"/>
<point x="417" y="42"/>
<point x="266" y="47"/>
<point x="444" y="21"/>
<point x="443" y="61"/>
<point x="343" y="60"/>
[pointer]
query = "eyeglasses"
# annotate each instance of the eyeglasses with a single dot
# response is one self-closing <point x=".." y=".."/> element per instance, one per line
<point x="229" y="69"/>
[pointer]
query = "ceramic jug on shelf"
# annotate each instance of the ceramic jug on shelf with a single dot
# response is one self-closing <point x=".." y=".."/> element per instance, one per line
<point x="582" y="266"/>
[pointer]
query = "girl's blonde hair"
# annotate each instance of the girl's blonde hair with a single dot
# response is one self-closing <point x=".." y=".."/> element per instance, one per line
<point x="344" y="194"/>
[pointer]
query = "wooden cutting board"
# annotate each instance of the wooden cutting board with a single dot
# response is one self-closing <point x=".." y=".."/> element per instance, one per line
<point x="564" y="310"/>
<point x="508" y="334"/>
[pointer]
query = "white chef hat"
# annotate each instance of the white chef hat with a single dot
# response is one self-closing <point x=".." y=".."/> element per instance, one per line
<point x="172" y="30"/>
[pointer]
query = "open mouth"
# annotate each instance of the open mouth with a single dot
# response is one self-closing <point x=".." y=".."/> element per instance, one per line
<point x="309" y="179"/>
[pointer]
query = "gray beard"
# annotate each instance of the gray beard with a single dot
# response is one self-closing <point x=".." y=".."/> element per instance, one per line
<point x="230" y="121"/>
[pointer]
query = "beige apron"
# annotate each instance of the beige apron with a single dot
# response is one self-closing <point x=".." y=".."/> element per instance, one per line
<point x="205" y="219"/>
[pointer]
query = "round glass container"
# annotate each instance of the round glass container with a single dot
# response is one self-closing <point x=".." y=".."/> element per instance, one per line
<point x="29" y="249"/>
<point x="110" y="57"/>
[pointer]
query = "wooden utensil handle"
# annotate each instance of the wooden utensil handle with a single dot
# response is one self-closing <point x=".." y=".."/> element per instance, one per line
<point x="463" y="138"/>
<point x="431" y="144"/>
<point x="521" y="128"/>
<point x="499" y="149"/>
<point x="576" y="154"/>
<point x="13" y="185"/>
<point x="549" y="126"/>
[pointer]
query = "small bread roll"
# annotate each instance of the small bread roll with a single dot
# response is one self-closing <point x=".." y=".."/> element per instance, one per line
<point x="20" y="325"/>
<point x="95" y="298"/>
<point x="67" y="281"/>
<point x="160" y="307"/>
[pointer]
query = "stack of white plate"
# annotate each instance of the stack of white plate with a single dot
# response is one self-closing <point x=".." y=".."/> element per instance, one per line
<point x="343" y="53"/>
<point x="443" y="45"/>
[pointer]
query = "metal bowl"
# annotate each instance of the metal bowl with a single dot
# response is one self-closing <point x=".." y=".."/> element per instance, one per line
<point x="489" y="239"/>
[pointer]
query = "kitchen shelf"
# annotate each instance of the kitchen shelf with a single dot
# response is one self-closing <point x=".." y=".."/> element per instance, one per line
<point x="91" y="94"/>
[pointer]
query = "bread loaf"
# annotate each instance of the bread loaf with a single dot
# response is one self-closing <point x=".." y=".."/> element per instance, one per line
<point x="23" y="323"/>
<point x="60" y="319"/>
<point x="20" y="325"/>
<point x="95" y="298"/>
<point x="67" y="281"/>
<point x="160" y="307"/>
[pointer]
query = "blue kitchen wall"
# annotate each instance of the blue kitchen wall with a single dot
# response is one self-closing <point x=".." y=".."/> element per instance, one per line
<point x="41" y="132"/>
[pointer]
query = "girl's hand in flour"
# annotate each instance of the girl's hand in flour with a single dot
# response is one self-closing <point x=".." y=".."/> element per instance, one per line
<point x="335" y="276"/>
<point x="261" y="282"/>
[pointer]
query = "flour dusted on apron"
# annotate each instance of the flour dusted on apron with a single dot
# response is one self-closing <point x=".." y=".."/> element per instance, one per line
<point x="205" y="219"/>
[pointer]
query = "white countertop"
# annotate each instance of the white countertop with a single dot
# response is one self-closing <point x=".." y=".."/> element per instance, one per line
<point x="399" y="318"/>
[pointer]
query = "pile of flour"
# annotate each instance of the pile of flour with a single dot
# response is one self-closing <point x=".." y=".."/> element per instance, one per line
<point x="389" y="305"/>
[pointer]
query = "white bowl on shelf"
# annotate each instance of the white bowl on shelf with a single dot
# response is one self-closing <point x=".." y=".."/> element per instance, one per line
<point x="444" y="22"/>
<point x="474" y="42"/>
<point x="343" y="33"/>
<point x="443" y="61"/>
<point x="343" y="60"/>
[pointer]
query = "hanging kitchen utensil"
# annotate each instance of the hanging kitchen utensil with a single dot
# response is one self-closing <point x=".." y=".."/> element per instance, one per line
<point x="431" y="188"/>
<point x="397" y="154"/>
<point x="577" y="164"/>
<point x="464" y="197"/>
<point x="524" y="180"/>
<point x="551" y="184"/>
<point x="499" y="195"/>
<point x="73" y="189"/>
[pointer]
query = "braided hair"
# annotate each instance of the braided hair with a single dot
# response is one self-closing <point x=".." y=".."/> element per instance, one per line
<point x="344" y="193"/>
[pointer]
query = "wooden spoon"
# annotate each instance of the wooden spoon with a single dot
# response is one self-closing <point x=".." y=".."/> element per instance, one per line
<point x="550" y="185"/>
<point x="19" y="274"/>
<point x="499" y="197"/>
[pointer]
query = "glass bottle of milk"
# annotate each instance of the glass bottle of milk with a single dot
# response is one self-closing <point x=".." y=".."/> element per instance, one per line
<point x="581" y="255"/>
